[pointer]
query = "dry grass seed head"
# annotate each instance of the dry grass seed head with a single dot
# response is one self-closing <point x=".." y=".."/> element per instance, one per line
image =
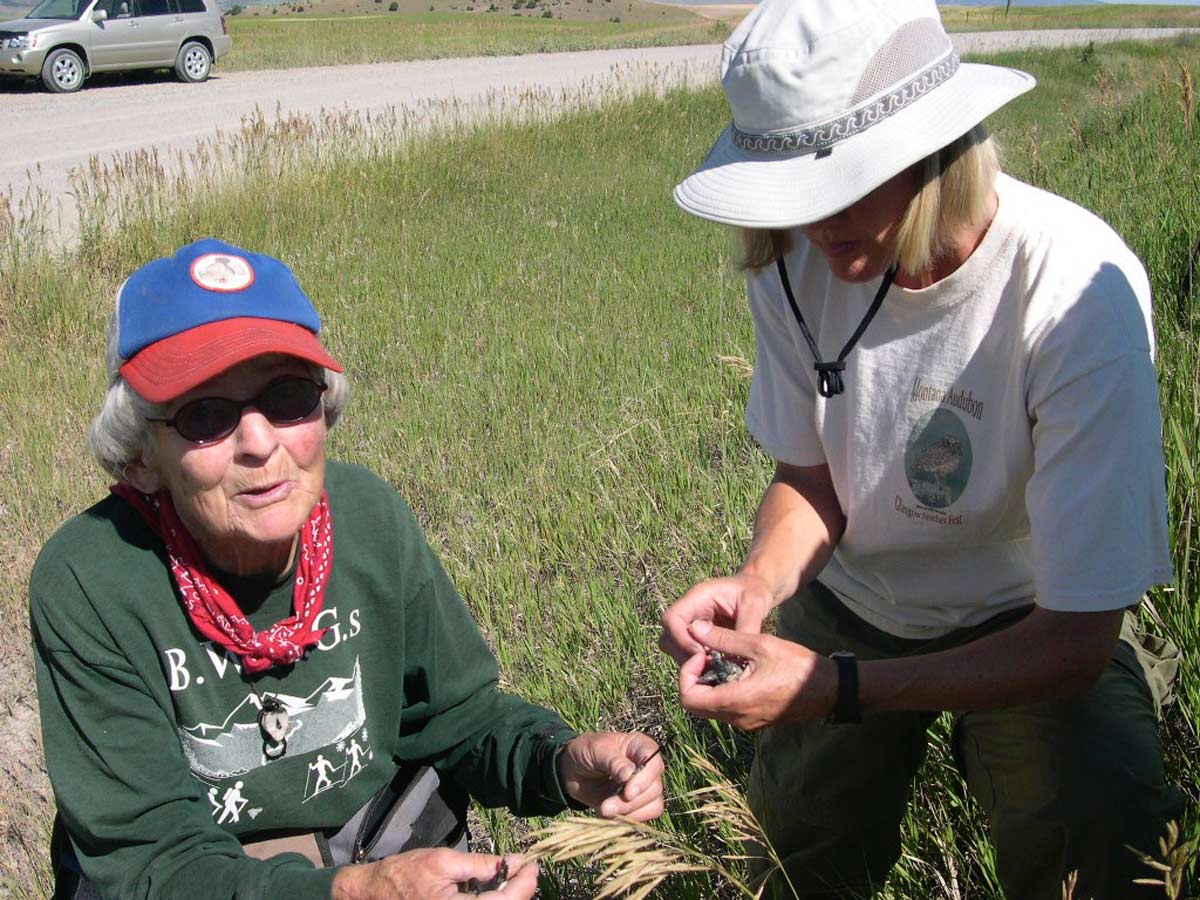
<point x="1187" y="98"/>
<point x="1175" y="856"/>
<point x="738" y="364"/>
<point x="636" y="857"/>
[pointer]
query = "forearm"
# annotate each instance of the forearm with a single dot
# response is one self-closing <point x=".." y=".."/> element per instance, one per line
<point x="279" y="877"/>
<point x="349" y="884"/>
<point x="512" y="762"/>
<point x="798" y="524"/>
<point x="1046" y="656"/>
<point x="497" y="747"/>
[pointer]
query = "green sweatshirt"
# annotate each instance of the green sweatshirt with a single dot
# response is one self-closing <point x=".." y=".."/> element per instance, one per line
<point x="151" y="733"/>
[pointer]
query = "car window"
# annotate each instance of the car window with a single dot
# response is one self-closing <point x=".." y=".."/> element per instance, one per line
<point x="152" y="7"/>
<point x="59" y="9"/>
<point x="190" y="6"/>
<point x="116" y="9"/>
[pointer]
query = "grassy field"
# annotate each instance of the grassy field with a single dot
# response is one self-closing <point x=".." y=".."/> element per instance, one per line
<point x="1127" y="15"/>
<point x="271" y="42"/>
<point x="549" y="360"/>
<point x="360" y="31"/>
<point x="635" y="12"/>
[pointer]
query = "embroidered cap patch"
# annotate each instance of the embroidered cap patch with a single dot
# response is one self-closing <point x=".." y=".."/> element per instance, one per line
<point x="222" y="272"/>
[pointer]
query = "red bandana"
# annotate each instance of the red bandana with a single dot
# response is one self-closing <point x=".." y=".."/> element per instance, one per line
<point x="215" y="613"/>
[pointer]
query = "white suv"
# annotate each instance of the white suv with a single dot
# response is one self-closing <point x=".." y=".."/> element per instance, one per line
<point x="65" y="41"/>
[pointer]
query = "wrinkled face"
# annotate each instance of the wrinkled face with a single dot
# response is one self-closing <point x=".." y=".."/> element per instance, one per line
<point x="243" y="498"/>
<point x="859" y="243"/>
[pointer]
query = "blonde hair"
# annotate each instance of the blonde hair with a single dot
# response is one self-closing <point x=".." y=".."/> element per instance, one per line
<point x="955" y="193"/>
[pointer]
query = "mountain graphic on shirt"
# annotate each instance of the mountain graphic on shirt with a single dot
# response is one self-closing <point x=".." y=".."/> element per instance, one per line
<point x="330" y="713"/>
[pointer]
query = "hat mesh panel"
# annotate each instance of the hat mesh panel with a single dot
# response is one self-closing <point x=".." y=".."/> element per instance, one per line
<point x="910" y="49"/>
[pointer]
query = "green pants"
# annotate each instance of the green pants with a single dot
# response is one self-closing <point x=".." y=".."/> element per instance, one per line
<point x="1065" y="784"/>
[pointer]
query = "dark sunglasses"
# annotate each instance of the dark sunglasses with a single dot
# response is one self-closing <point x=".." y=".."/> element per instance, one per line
<point x="284" y="401"/>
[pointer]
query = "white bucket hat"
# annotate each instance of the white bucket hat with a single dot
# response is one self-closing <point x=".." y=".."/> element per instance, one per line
<point x="830" y="99"/>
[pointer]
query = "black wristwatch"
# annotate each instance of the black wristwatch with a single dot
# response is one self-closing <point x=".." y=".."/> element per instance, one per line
<point x="845" y="711"/>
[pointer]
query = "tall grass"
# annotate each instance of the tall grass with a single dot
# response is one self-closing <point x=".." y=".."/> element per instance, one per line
<point x="1095" y="15"/>
<point x="548" y="359"/>
<point x="271" y="42"/>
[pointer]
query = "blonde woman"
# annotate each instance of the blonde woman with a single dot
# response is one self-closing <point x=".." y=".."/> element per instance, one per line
<point x="954" y="375"/>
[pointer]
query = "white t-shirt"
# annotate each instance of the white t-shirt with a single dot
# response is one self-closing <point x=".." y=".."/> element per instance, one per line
<point x="999" y="441"/>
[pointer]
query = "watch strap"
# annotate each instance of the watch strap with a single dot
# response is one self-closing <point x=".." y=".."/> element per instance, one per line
<point x="845" y="710"/>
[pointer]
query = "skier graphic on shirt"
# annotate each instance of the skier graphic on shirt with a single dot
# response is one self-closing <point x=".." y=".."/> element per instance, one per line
<point x="355" y="753"/>
<point x="322" y="767"/>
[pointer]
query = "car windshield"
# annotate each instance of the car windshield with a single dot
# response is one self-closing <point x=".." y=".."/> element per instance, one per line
<point x="59" y="9"/>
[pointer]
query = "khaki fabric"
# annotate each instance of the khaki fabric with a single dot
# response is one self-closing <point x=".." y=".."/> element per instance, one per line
<point x="1065" y="784"/>
<point x="304" y="844"/>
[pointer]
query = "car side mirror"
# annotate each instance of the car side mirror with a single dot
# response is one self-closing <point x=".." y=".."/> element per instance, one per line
<point x="99" y="15"/>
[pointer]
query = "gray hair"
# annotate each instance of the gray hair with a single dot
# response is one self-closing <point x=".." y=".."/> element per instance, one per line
<point x="120" y="433"/>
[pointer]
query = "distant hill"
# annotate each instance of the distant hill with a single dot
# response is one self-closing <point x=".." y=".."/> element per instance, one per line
<point x="629" y="11"/>
<point x="1038" y="3"/>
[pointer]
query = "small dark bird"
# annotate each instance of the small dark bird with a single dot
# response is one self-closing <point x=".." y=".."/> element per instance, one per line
<point x="477" y="887"/>
<point x="720" y="669"/>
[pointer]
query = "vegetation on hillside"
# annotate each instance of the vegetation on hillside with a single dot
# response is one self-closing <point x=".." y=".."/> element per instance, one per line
<point x="1016" y="16"/>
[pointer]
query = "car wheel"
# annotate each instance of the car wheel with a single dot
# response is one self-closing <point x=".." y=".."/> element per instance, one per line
<point x="193" y="63"/>
<point x="63" y="71"/>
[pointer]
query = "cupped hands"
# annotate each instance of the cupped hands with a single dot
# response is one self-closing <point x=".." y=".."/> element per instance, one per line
<point x="783" y="681"/>
<point x="740" y="602"/>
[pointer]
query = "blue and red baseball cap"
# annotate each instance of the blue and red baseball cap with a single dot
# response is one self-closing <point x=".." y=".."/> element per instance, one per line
<point x="184" y="319"/>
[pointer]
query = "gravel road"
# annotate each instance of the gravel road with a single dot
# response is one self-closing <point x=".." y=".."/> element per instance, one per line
<point x="46" y="136"/>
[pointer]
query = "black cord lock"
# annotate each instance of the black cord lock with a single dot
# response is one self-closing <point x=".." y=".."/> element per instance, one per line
<point x="829" y="378"/>
<point x="830" y="382"/>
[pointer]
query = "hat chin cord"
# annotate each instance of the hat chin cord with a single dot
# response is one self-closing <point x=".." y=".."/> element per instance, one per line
<point x="830" y="382"/>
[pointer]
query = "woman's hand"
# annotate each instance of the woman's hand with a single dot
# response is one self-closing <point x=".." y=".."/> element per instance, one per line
<point x="783" y="681"/>
<point x="614" y="773"/>
<point x="433" y="875"/>
<point x="740" y="602"/>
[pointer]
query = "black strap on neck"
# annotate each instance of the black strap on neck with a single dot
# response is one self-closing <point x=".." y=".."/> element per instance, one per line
<point x="829" y="374"/>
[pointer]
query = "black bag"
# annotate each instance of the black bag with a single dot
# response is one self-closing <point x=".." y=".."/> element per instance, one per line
<point x="413" y="810"/>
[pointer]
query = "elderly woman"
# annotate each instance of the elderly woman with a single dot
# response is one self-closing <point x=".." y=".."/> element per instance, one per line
<point x="968" y="498"/>
<point x="234" y="703"/>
